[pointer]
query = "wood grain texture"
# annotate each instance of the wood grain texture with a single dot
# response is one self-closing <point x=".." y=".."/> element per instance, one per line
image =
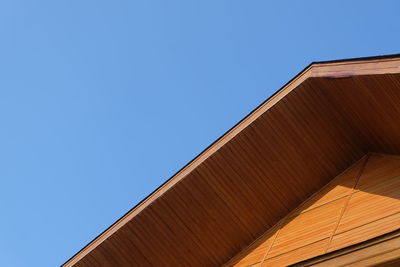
<point x="307" y="228"/>
<point x="378" y="195"/>
<point x="360" y="204"/>
<point x="380" y="174"/>
<point x="299" y="254"/>
<point x="255" y="254"/>
<point x="291" y="233"/>
<point x="288" y="148"/>
<point x="365" y="232"/>
<point x="338" y="188"/>
<point x="380" y="251"/>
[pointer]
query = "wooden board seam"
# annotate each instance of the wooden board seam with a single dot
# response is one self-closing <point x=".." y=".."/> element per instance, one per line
<point x="349" y="249"/>
<point x="273" y="240"/>
<point x="347" y="202"/>
<point x="291" y="250"/>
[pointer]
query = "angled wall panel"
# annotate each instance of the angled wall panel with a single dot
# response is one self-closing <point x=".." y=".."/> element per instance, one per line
<point x="360" y="204"/>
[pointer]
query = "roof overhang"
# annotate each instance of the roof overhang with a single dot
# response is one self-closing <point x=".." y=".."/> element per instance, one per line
<point x="318" y="124"/>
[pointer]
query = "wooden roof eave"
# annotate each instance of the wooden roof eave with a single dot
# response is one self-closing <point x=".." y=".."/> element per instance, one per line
<point x="339" y="69"/>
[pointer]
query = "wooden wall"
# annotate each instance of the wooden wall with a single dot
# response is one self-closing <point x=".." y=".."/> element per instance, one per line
<point x="361" y="203"/>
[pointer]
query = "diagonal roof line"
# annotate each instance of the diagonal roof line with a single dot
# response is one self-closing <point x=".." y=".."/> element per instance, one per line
<point x="330" y="69"/>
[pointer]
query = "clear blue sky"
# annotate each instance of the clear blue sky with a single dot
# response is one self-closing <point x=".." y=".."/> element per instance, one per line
<point x="102" y="101"/>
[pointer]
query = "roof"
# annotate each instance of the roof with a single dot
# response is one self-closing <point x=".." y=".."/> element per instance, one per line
<point x="313" y="128"/>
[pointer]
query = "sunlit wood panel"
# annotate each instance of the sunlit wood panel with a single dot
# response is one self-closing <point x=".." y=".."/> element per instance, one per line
<point x="307" y="228"/>
<point x="360" y="204"/>
<point x="297" y="255"/>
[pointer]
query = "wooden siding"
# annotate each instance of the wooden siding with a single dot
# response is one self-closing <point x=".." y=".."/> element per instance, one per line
<point x="361" y="203"/>
<point x="383" y="251"/>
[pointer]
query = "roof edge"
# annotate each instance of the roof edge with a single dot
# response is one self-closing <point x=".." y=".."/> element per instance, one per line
<point x="328" y="69"/>
<point x="388" y="56"/>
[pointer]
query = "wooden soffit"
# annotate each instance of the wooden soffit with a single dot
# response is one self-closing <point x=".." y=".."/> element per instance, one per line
<point x="312" y="129"/>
